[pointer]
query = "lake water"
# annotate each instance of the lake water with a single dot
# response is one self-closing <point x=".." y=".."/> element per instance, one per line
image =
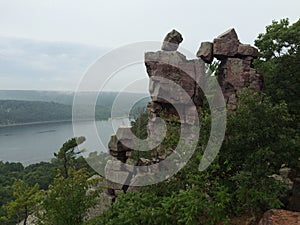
<point x="35" y="143"/>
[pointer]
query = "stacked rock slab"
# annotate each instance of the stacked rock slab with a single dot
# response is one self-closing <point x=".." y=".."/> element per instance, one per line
<point x="172" y="66"/>
<point x="172" y="77"/>
<point x="235" y="71"/>
<point x="121" y="144"/>
<point x="120" y="147"/>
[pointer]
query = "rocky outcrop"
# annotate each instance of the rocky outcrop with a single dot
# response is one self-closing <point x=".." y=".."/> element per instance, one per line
<point x="280" y="217"/>
<point x="235" y="70"/>
<point x="121" y="144"/>
<point x="175" y="92"/>
<point x="168" y="70"/>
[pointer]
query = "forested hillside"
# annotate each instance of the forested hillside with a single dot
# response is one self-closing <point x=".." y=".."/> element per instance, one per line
<point x="64" y="97"/>
<point x="20" y="112"/>
<point x="16" y="112"/>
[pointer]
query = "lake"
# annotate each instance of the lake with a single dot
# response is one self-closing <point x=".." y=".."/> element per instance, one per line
<point x="34" y="143"/>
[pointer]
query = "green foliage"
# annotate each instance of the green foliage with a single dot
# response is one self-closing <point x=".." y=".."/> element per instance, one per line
<point x="25" y="202"/>
<point x="40" y="173"/>
<point x="67" y="155"/>
<point x="257" y="133"/>
<point x="186" y="207"/>
<point x="260" y="138"/>
<point x="237" y="182"/>
<point x="280" y="39"/>
<point x="67" y="200"/>
<point x="257" y="194"/>
<point x="139" y="128"/>
<point x="279" y="49"/>
<point x="14" y="112"/>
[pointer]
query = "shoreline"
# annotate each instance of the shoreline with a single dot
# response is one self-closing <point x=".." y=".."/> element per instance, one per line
<point x="48" y="122"/>
<point x="34" y="123"/>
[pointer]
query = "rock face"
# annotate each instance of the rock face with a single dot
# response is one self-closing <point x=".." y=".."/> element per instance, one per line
<point x="120" y="146"/>
<point x="226" y="45"/>
<point x="172" y="41"/>
<point x="173" y="88"/>
<point x="280" y="217"/>
<point x="205" y="52"/>
<point x="235" y="71"/>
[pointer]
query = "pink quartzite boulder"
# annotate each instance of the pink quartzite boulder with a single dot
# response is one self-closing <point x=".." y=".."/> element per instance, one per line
<point x="280" y="217"/>
<point x="226" y="45"/>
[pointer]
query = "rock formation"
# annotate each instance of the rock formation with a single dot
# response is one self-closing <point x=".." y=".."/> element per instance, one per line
<point x="280" y="217"/>
<point x="175" y="92"/>
<point x="235" y="70"/>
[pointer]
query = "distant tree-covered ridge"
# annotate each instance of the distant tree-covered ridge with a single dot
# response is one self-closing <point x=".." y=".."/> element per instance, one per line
<point x="15" y="112"/>
<point x="66" y="97"/>
<point x="20" y="112"/>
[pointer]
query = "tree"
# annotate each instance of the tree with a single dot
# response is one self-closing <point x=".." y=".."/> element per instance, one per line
<point x="66" y="155"/>
<point x="260" y="139"/>
<point x="26" y="200"/>
<point x="279" y="57"/>
<point x="67" y="200"/>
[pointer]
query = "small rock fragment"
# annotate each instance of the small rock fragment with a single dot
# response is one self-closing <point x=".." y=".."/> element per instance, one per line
<point x="205" y="52"/>
<point x="172" y="41"/>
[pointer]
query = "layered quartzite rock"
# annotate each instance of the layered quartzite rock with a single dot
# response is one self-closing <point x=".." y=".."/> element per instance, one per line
<point x="121" y="144"/>
<point x="205" y="52"/>
<point x="174" y="89"/>
<point x="172" y="41"/>
<point x="280" y="217"/>
<point x="235" y="70"/>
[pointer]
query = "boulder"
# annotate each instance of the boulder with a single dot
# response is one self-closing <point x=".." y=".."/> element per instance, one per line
<point x="172" y="41"/>
<point x="247" y="50"/>
<point x="280" y="217"/>
<point x="226" y="45"/>
<point x="104" y="201"/>
<point x="205" y="52"/>
<point x="229" y="35"/>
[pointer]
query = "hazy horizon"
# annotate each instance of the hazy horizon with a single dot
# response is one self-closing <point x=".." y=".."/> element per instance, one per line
<point x="50" y="44"/>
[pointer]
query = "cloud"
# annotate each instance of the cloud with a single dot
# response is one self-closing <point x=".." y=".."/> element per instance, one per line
<point x="30" y="64"/>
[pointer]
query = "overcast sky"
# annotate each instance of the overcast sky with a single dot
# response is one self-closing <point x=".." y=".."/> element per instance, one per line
<point x="48" y="44"/>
